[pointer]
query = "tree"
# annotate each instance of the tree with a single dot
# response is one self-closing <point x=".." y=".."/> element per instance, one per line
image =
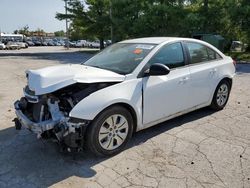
<point x="59" y="33"/>
<point x="24" y="30"/>
<point x="149" y="18"/>
<point x="38" y="32"/>
<point x="91" y="18"/>
<point x="240" y="19"/>
<point x="230" y="18"/>
<point x="141" y="18"/>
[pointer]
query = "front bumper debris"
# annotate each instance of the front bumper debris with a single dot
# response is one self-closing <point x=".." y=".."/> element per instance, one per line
<point x="67" y="130"/>
<point x="37" y="128"/>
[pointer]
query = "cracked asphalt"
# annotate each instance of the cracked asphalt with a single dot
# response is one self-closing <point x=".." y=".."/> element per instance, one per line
<point x="202" y="149"/>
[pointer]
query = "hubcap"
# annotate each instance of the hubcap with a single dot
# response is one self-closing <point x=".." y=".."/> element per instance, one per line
<point x="113" y="132"/>
<point x="222" y="95"/>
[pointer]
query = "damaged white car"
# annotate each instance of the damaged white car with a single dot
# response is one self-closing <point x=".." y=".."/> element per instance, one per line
<point x="127" y="87"/>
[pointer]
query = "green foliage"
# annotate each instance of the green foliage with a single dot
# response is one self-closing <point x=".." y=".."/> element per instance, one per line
<point x="59" y="33"/>
<point x="141" y="18"/>
<point x="24" y="30"/>
<point x="240" y="56"/>
<point x="88" y="19"/>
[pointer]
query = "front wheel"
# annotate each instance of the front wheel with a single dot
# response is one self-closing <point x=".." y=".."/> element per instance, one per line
<point x="221" y="95"/>
<point x="110" y="131"/>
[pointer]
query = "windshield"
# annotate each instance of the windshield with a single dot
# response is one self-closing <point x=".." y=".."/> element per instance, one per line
<point x="121" y="58"/>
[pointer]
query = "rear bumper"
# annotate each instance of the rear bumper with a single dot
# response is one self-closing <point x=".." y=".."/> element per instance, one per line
<point x="37" y="128"/>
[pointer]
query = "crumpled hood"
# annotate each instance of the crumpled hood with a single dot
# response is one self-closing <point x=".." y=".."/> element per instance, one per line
<point x="49" y="79"/>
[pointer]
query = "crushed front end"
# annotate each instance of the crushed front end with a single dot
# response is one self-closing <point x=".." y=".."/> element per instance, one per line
<point x="48" y="115"/>
<point x="51" y="95"/>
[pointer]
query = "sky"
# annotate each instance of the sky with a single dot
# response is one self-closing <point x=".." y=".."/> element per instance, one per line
<point x="15" y="14"/>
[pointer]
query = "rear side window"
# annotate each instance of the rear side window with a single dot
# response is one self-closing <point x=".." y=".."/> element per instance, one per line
<point x="201" y="53"/>
<point x="170" y="55"/>
<point x="212" y="55"/>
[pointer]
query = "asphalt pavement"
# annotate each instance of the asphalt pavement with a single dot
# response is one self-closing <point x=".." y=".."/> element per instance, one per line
<point x="202" y="149"/>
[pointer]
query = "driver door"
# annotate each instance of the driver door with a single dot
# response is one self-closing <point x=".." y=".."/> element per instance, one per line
<point x="166" y="95"/>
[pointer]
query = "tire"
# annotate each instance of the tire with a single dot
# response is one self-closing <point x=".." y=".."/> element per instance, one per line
<point x="110" y="131"/>
<point x="221" y="95"/>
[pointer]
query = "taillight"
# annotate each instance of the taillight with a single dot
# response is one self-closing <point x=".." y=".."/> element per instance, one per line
<point x="234" y="62"/>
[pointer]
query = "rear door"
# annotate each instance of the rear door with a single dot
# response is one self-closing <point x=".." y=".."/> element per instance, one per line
<point x="203" y="72"/>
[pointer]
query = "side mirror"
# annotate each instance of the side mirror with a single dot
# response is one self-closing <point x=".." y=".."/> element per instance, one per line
<point x="158" y="69"/>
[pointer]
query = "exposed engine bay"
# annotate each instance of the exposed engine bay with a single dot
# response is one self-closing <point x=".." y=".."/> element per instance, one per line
<point x="47" y="115"/>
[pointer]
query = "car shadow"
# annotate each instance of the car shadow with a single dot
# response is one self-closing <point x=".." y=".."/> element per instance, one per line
<point x="24" y="159"/>
<point x="168" y="125"/>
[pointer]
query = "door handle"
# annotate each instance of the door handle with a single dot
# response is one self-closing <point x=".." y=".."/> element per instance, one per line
<point x="214" y="70"/>
<point x="183" y="80"/>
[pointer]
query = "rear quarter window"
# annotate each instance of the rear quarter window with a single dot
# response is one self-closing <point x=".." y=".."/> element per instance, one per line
<point x="200" y="53"/>
<point x="212" y="55"/>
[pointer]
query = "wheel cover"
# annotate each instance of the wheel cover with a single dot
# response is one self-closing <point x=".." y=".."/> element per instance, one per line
<point x="113" y="132"/>
<point x="222" y="95"/>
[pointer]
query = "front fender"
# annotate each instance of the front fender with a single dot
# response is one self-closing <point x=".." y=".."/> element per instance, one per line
<point x="129" y="92"/>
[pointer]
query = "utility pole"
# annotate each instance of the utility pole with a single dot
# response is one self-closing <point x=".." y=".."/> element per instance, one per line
<point x="205" y="24"/>
<point x="67" y="29"/>
<point x="111" y="26"/>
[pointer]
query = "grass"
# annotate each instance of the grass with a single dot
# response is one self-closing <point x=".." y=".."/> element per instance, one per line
<point x="240" y="56"/>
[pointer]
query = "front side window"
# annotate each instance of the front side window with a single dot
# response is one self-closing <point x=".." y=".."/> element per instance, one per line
<point x="201" y="53"/>
<point x="170" y="55"/>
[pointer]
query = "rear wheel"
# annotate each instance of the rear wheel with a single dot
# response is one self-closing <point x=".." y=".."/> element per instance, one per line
<point x="109" y="133"/>
<point x="221" y="95"/>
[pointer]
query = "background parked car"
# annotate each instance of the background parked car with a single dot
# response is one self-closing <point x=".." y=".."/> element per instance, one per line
<point x="108" y="42"/>
<point x="22" y="44"/>
<point x="50" y="43"/>
<point x="81" y="43"/>
<point x="95" y="44"/>
<point x="12" y="46"/>
<point x="238" y="46"/>
<point x="62" y="43"/>
<point x="2" y="46"/>
<point x="57" y="43"/>
<point x="72" y="44"/>
<point x="37" y="43"/>
<point x="44" y="43"/>
<point x="30" y="43"/>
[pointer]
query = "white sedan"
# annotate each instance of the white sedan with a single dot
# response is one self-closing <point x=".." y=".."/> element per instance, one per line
<point x="12" y="46"/>
<point x="129" y="86"/>
<point x="2" y="46"/>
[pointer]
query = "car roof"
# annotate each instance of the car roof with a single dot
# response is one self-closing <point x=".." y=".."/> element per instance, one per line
<point x="149" y="40"/>
<point x="157" y="40"/>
